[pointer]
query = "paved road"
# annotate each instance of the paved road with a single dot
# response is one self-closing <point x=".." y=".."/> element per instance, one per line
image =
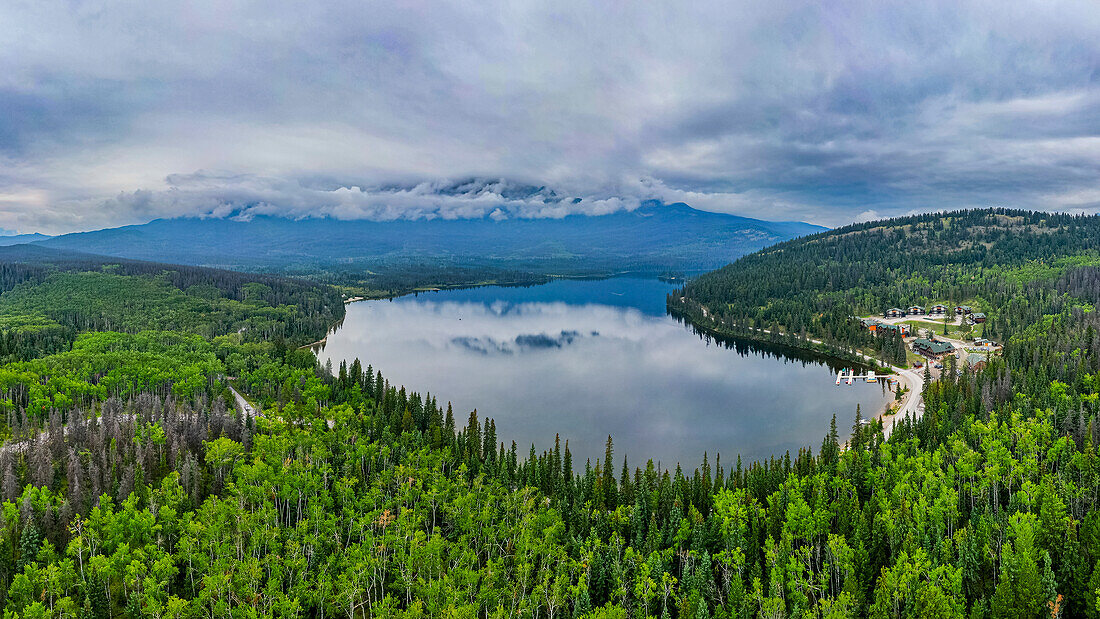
<point x="243" y="404"/>
<point x="912" y="402"/>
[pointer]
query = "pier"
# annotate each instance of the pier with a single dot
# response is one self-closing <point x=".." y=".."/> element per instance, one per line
<point x="870" y="377"/>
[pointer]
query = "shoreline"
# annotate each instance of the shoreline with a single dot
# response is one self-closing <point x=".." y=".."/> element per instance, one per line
<point x="535" y="280"/>
<point x="911" y="403"/>
<point x="765" y="336"/>
<point x="320" y="342"/>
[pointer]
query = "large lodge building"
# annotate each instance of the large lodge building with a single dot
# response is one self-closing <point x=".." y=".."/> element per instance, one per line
<point x="933" y="349"/>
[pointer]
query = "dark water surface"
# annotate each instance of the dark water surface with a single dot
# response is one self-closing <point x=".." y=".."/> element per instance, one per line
<point x="590" y="358"/>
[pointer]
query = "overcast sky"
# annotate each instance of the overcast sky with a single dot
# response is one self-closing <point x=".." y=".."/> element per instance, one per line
<point x="118" y="112"/>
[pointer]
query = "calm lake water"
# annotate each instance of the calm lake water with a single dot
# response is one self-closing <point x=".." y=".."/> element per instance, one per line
<point x="590" y="358"/>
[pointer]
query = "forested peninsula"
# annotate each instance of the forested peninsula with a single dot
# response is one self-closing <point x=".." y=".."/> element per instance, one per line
<point x="133" y="486"/>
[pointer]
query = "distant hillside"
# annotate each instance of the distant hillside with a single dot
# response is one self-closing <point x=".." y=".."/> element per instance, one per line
<point x="652" y="237"/>
<point x="73" y="292"/>
<point x="19" y="239"/>
<point x="813" y="285"/>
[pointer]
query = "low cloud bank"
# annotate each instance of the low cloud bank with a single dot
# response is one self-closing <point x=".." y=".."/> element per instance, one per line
<point x="243" y="197"/>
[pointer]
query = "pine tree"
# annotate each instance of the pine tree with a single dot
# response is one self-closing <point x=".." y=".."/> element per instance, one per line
<point x="1020" y="591"/>
<point x="607" y="480"/>
<point x="567" y="468"/>
<point x="625" y="491"/>
<point x="29" y="543"/>
<point x="830" y="447"/>
<point x="473" y="440"/>
<point x="857" y="430"/>
<point x="582" y="605"/>
<point x="449" y="423"/>
<point x="96" y="604"/>
<point x="489" y="444"/>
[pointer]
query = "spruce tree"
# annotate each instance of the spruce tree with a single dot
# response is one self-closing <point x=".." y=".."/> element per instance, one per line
<point x="608" y="477"/>
<point x="29" y="543"/>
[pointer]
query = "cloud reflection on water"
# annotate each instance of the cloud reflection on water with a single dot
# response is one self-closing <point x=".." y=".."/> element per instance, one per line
<point x="589" y="370"/>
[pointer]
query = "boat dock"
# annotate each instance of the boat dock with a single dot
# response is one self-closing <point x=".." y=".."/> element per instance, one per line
<point x="871" y="377"/>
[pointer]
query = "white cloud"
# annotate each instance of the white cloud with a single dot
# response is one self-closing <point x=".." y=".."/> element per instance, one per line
<point x="868" y="215"/>
<point x="790" y="110"/>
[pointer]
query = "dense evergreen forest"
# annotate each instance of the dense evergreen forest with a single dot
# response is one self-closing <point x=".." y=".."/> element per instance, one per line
<point x="813" y="286"/>
<point x="133" y="487"/>
<point x="396" y="278"/>
<point x="50" y="296"/>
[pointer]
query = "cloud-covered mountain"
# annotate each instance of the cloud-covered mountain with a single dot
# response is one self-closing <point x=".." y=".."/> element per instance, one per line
<point x="652" y="236"/>
<point x="246" y="196"/>
<point x="793" y="109"/>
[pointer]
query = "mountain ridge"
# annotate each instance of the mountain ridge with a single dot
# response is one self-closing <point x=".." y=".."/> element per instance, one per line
<point x="20" y="239"/>
<point x="654" y="236"/>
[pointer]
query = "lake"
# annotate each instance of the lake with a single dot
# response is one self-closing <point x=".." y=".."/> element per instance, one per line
<point x="588" y="358"/>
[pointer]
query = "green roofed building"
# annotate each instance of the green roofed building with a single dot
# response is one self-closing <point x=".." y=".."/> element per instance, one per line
<point x="976" y="361"/>
<point x="930" y="348"/>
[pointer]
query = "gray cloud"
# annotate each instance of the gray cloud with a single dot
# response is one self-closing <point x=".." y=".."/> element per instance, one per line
<point x="828" y="112"/>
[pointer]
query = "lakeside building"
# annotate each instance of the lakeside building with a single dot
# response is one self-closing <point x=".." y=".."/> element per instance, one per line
<point x="933" y="349"/>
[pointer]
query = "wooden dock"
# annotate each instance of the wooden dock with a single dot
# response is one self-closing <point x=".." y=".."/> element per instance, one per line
<point x="870" y="377"/>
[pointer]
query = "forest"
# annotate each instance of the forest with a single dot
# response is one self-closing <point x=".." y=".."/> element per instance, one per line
<point x="49" y="297"/>
<point x="132" y="486"/>
<point x="815" y="285"/>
